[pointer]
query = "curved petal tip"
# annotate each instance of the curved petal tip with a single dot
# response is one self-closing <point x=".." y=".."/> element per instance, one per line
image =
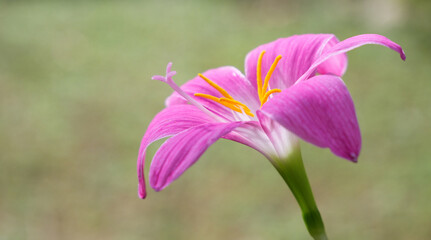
<point x="403" y="55"/>
<point x="141" y="192"/>
<point x="354" y="157"/>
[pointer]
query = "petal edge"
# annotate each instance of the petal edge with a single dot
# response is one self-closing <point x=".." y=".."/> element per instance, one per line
<point x="180" y="152"/>
<point x="168" y="122"/>
<point x="320" y="111"/>
<point x="350" y="44"/>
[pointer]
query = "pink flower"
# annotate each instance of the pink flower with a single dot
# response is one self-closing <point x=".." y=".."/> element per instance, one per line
<point x="291" y="89"/>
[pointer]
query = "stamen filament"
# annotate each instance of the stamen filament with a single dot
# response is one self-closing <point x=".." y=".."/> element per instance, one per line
<point x="237" y="106"/>
<point x="215" y="99"/>
<point x="217" y="87"/>
<point x="227" y="100"/>
<point x="262" y="90"/>
<point x="207" y="96"/>
<point x="235" y="102"/>
<point x="268" y="75"/>
<point x="267" y="94"/>
<point x="232" y="104"/>
<point x="259" y="74"/>
<point x="233" y="107"/>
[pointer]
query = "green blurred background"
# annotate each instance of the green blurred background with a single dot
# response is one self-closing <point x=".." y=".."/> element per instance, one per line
<point x="76" y="98"/>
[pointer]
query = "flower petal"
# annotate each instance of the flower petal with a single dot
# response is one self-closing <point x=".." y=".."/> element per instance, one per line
<point x="252" y="135"/>
<point x="336" y="65"/>
<point x="230" y="79"/>
<point x="350" y="44"/>
<point x="320" y="111"/>
<point x="298" y="53"/>
<point x="283" y="141"/>
<point x="170" y="121"/>
<point x="178" y="153"/>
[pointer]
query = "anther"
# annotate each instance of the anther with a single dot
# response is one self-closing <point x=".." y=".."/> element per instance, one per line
<point x="262" y="90"/>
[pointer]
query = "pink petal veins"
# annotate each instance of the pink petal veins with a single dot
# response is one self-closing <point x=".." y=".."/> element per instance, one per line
<point x="320" y="111"/>
<point x="168" y="122"/>
<point x="298" y="53"/>
<point x="180" y="152"/>
<point x="350" y="44"/>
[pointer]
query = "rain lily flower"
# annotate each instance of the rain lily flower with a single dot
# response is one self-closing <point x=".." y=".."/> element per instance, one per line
<point x="291" y="90"/>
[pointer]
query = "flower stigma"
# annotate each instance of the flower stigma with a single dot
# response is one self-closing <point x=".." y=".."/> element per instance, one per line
<point x="228" y="101"/>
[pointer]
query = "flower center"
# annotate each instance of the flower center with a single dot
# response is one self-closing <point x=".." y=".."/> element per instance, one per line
<point x="263" y="93"/>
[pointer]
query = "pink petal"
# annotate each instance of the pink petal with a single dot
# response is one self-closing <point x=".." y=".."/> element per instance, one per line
<point x="298" y="53"/>
<point x="252" y="135"/>
<point x="320" y="111"/>
<point x="229" y="78"/>
<point x="350" y="44"/>
<point x="336" y="65"/>
<point x="283" y="141"/>
<point x="170" y="121"/>
<point x="178" y="153"/>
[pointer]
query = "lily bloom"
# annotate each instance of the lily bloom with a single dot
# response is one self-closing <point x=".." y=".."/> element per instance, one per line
<point x="291" y="90"/>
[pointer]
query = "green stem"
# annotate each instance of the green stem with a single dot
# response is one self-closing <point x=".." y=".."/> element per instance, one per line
<point x="293" y="172"/>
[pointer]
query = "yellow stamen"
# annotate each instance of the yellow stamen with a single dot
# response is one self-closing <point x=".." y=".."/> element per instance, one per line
<point x="207" y="96"/>
<point x="229" y="105"/>
<point x="248" y="113"/>
<point x="217" y="87"/>
<point x="266" y="96"/>
<point x="235" y="102"/>
<point x="237" y="106"/>
<point x="268" y="75"/>
<point x="262" y="90"/>
<point x="259" y="74"/>
<point x="232" y="104"/>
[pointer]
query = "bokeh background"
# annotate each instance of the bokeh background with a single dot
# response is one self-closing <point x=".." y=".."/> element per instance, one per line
<point x="76" y="98"/>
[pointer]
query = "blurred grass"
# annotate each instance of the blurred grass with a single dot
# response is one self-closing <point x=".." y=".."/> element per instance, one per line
<point x="76" y="97"/>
